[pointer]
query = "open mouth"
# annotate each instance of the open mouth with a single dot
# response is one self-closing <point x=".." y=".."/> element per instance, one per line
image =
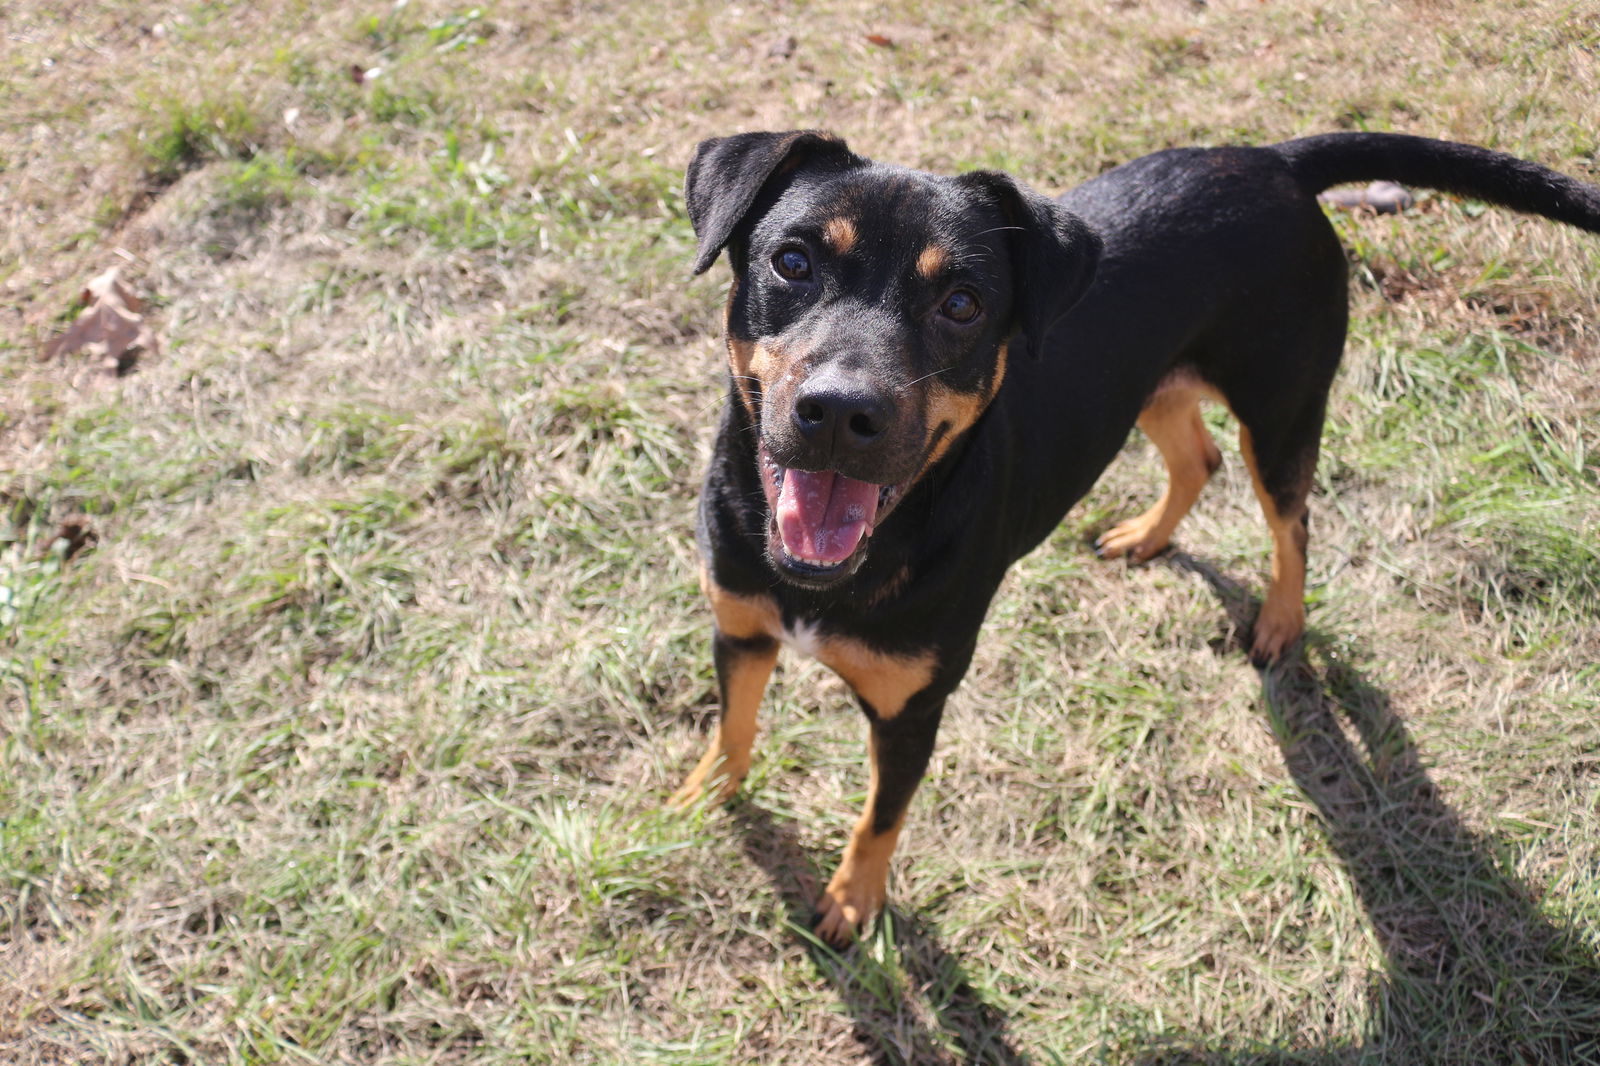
<point x="821" y="519"/>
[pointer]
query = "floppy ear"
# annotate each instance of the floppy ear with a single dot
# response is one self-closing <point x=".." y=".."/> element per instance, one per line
<point x="1053" y="253"/>
<point x="728" y="173"/>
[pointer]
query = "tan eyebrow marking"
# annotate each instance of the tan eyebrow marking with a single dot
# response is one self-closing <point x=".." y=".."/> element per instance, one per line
<point x="840" y="233"/>
<point x="931" y="261"/>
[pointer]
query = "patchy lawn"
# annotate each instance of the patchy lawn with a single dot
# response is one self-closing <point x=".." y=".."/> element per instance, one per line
<point x="350" y="641"/>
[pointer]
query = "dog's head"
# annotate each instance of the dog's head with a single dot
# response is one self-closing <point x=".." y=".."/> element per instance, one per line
<point x="869" y="322"/>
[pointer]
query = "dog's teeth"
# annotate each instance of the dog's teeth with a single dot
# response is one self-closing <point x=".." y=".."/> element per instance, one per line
<point x="821" y="564"/>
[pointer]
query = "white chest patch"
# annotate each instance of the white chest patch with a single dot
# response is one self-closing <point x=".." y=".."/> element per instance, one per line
<point x="803" y="638"/>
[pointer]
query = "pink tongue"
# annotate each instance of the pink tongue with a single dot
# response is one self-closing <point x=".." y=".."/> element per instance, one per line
<point x="822" y="515"/>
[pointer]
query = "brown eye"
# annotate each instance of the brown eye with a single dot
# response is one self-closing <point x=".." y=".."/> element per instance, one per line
<point x="960" y="306"/>
<point x="792" y="264"/>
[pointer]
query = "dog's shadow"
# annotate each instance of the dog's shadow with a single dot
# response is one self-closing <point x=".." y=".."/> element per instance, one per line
<point x="1474" y="971"/>
<point x="925" y="1010"/>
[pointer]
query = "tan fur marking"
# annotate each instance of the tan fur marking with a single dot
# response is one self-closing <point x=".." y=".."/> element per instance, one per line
<point x="727" y="317"/>
<point x="740" y="355"/>
<point x="752" y="362"/>
<point x="1283" y="613"/>
<point x="858" y="888"/>
<point x="952" y="413"/>
<point x="765" y="362"/>
<point x="727" y="755"/>
<point x="1185" y="382"/>
<point x="886" y="682"/>
<point x="840" y="233"/>
<point x="949" y="415"/>
<point x="741" y="617"/>
<point x="931" y="261"/>
<point x="1172" y="421"/>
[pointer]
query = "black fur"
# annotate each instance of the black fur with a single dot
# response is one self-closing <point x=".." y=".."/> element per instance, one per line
<point x="1211" y="266"/>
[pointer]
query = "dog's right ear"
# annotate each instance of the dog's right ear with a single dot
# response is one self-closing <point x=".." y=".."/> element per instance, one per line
<point x="728" y="173"/>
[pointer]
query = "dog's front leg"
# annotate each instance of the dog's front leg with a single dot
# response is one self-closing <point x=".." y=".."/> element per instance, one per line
<point x="903" y="712"/>
<point x="744" y="651"/>
<point x="898" y="753"/>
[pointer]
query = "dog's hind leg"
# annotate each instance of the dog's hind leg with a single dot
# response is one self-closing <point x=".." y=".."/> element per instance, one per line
<point x="1274" y="370"/>
<point x="1282" y="459"/>
<point x="1172" y="421"/>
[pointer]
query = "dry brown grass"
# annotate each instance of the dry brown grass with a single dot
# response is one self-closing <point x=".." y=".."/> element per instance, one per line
<point x="344" y="742"/>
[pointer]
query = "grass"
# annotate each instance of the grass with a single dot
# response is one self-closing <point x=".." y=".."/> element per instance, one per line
<point x="345" y="739"/>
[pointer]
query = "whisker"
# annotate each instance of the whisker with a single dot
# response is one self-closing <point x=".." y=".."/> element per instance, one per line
<point x="925" y="377"/>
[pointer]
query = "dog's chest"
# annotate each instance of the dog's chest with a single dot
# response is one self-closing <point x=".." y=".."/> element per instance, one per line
<point x="803" y="636"/>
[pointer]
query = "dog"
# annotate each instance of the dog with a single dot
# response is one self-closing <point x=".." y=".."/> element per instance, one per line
<point x="926" y="373"/>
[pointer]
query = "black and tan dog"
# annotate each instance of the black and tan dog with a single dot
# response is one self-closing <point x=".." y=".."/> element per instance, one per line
<point x="927" y="372"/>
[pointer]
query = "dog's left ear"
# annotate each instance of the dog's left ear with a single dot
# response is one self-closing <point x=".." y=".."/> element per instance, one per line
<point x="728" y="173"/>
<point x="1053" y="253"/>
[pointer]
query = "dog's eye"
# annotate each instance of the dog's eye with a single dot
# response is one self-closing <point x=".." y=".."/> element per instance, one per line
<point x="960" y="306"/>
<point x="792" y="264"/>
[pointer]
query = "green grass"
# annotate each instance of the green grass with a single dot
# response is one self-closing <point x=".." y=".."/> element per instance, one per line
<point x="186" y="135"/>
<point x="345" y="741"/>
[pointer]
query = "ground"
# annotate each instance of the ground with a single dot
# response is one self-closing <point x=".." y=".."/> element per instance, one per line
<point x="350" y="643"/>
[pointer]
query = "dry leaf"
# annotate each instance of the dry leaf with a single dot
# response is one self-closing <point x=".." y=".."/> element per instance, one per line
<point x="74" y="534"/>
<point x="1384" y="197"/>
<point x="110" y="327"/>
<point x="110" y="286"/>
<point x="880" y="40"/>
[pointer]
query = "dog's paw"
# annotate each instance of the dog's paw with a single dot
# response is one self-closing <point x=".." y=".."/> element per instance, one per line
<point x="845" y="907"/>
<point x="1137" y="538"/>
<point x="1278" y="626"/>
<point x="720" y="786"/>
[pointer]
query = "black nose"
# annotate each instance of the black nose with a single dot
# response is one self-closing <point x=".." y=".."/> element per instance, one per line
<point x="841" y="415"/>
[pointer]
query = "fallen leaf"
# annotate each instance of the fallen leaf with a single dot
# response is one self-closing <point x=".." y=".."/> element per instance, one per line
<point x="110" y="327"/>
<point x="880" y="40"/>
<point x="110" y="286"/>
<point x="1384" y="197"/>
<point x="74" y="534"/>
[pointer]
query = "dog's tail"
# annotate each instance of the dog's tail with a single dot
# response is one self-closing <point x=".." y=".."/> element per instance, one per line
<point x="1334" y="158"/>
